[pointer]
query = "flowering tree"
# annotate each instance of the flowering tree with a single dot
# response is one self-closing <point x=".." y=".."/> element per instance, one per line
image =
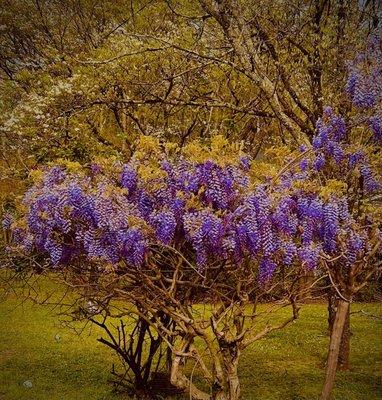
<point x="348" y="168"/>
<point x="363" y="105"/>
<point x="167" y="233"/>
<point x="354" y="169"/>
<point x="170" y="228"/>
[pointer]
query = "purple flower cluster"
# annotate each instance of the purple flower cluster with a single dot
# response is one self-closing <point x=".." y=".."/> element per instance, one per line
<point x="331" y="130"/>
<point x="364" y="84"/>
<point x="214" y="214"/>
<point x="7" y="221"/>
<point x="334" y="156"/>
<point x="129" y="178"/>
<point x="375" y="124"/>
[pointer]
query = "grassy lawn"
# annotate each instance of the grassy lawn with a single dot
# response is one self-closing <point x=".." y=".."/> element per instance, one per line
<point x="287" y="365"/>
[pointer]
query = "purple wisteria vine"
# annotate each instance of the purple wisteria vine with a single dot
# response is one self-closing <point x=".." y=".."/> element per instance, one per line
<point x="117" y="213"/>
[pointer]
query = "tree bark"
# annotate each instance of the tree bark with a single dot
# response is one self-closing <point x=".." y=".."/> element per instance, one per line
<point x="178" y="379"/>
<point x="230" y="356"/>
<point x="334" y="348"/>
<point x="344" y="353"/>
<point x="233" y="379"/>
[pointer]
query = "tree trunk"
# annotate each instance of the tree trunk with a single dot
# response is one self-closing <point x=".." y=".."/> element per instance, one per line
<point x="177" y="377"/>
<point x="334" y="348"/>
<point x="344" y="354"/>
<point x="231" y="353"/>
<point x="233" y="380"/>
<point x="180" y="381"/>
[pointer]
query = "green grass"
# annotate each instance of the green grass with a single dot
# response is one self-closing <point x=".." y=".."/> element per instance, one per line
<point x="286" y="365"/>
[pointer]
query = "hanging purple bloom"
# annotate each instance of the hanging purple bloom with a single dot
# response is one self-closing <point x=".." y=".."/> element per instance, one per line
<point x="290" y="250"/>
<point x="375" y="123"/>
<point x="7" y="221"/>
<point x="351" y="83"/>
<point x="129" y="178"/>
<point x="165" y="225"/>
<point x="95" y="168"/>
<point x="309" y="256"/>
<point x="54" y="176"/>
<point x="319" y="162"/>
<point x="355" y="158"/>
<point x="331" y="226"/>
<point x="266" y="270"/>
<point x="304" y="164"/>
<point x="245" y="162"/>
<point x="370" y="183"/>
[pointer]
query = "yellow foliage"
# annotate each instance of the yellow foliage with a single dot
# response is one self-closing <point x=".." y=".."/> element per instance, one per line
<point x="36" y="175"/>
<point x="147" y="145"/>
<point x="278" y="154"/>
<point x="70" y="166"/>
<point x="261" y="170"/>
<point x="193" y="202"/>
<point x="220" y="150"/>
<point x="19" y="223"/>
<point x="194" y="151"/>
<point x="135" y="222"/>
<point x="151" y="171"/>
<point x="112" y="190"/>
<point x="306" y="186"/>
<point x="219" y="142"/>
<point x="333" y="187"/>
<point x="105" y="162"/>
<point x="170" y="147"/>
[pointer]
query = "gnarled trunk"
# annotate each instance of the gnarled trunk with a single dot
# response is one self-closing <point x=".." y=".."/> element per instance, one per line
<point x="177" y="377"/>
<point x="231" y="362"/>
<point x="230" y="390"/>
<point x="334" y="348"/>
<point x="225" y="386"/>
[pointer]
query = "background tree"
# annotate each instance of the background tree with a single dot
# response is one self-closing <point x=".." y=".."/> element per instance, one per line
<point x="87" y="77"/>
